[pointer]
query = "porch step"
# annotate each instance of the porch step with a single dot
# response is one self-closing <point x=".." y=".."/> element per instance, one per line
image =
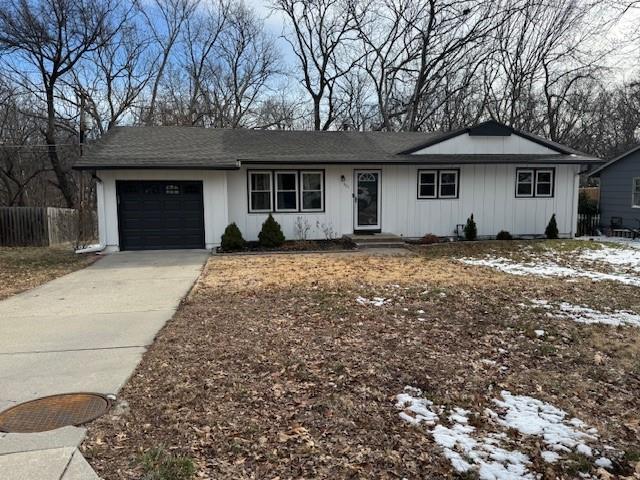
<point x="377" y="240"/>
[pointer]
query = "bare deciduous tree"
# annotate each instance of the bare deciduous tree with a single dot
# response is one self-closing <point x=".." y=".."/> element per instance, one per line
<point x="321" y="33"/>
<point x="52" y="36"/>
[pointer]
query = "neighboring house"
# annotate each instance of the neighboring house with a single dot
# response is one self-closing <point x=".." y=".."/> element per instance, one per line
<point x="620" y="191"/>
<point x="179" y="187"/>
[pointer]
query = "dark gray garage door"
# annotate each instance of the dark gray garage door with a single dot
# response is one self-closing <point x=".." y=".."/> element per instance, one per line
<point x="160" y="215"/>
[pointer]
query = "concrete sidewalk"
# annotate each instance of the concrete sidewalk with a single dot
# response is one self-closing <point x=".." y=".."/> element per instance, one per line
<point x="84" y="332"/>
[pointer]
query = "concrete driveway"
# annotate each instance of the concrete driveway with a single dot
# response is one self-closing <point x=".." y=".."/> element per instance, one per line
<point x="86" y="331"/>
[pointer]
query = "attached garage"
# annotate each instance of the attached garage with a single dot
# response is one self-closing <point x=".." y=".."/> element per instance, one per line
<point x="160" y="215"/>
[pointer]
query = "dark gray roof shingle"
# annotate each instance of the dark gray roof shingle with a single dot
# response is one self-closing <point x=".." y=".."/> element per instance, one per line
<point x="208" y="148"/>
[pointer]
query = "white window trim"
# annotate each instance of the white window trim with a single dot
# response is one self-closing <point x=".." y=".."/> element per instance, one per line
<point x="455" y="183"/>
<point x="544" y="195"/>
<point x="634" y="185"/>
<point x="533" y="182"/>
<point x="296" y="191"/>
<point x="435" y="184"/>
<point x="302" y="190"/>
<point x="251" y="191"/>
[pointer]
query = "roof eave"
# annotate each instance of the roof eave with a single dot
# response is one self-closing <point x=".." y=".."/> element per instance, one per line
<point x="598" y="171"/>
<point x="155" y="167"/>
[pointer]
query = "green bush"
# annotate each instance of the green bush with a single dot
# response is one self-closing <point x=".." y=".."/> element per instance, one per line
<point x="271" y="234"/>
<point x="470" y="229"/>
<point x="232" y="238"/>
<point x="552" y="228"/>
<point x="504" y="235"/>
<point x="159" y="464"/>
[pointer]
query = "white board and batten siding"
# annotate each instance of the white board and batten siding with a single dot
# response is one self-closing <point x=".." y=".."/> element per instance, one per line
<point x="487" y="191"/>
<point x="479" y="145"/>
<point x="214" y="193"/>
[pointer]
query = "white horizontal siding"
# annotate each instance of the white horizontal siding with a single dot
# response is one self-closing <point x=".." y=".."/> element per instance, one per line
<point x="466" y="144"/>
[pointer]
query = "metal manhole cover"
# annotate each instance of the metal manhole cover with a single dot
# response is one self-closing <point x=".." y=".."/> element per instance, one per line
<point x="49" y="413"/>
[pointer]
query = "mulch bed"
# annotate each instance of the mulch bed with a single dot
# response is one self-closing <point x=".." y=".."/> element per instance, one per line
<point x="297" y="246"/>
<point x="270" y="369"/>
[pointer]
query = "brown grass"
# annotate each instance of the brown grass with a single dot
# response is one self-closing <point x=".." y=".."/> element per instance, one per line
<point x="272" y="370"/>
<point x="23" y="268"/>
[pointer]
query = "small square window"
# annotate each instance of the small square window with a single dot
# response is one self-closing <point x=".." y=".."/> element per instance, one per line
<point x="172" y="190"/>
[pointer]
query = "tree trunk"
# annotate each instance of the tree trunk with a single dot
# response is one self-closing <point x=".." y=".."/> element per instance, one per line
<point x="62" y="176"/>
<point x="316" y="113"/>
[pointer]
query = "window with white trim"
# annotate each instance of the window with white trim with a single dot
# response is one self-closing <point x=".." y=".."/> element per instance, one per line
<point x="635" y="202"/>
<point x="427" y="183"/>
<point x="311" y="191"/>
<point x="544" y="183"/>
<point x="534" y="182"/>
<point x="524" y="183"/>
<point x="286" y="191"/>
<point x="448" y="184"/>
<point x="260" y="191"/>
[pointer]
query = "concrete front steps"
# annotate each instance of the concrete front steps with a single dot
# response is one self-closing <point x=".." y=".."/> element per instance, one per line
<point x="377" y="240"/>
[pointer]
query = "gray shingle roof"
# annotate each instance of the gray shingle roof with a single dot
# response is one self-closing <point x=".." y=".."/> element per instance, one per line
<point x="207" y="148"/>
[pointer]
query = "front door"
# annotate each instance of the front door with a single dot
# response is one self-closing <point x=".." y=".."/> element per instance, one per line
<point x="367" y="200"/>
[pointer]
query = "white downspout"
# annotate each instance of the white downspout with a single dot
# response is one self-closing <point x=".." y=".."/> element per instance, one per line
<point x="101" y="221"/>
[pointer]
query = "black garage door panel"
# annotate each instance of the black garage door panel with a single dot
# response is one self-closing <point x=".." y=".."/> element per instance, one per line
<point x="160" y="215"/>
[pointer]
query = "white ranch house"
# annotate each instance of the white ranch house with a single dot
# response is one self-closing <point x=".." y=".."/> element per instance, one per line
<point x="179" y="187"/>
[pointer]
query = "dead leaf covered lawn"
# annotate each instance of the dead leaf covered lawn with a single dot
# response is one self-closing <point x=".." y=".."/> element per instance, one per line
<point x="23" y="268"/>
<point x="273" y="369"/>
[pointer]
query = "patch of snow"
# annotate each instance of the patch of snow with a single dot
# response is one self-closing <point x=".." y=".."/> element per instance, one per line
<point x="604" y="463"/>
<point x="548" y="268"/>
<point x="459" y="444"/>
<point x="549" y="456"/>
<point x="486" y="455"/>
<point x="628" y="257"/>
<point x="375" y="301"/>
<point x="534" y="417"/>
<point x="582" y="314"/>
<point x="466" y="452"/>
<point x="584" y="450"/>
<point x="411" y="401"/>
<point x="539" y="333"/>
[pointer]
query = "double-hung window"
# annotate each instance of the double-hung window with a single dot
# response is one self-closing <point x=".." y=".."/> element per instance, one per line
<point x="544" y="183"/>
<point x="311" y="191"/>
<point x="438" y="184"/>
<point x="524" y="183"/>
<point x="427" y="184"/>
<point x="635" y="199"/>
<point x="448" y="184"/>
<point x="534" y="182"/>
<point x="260" y="192"/>
<point x="286" y="191"/>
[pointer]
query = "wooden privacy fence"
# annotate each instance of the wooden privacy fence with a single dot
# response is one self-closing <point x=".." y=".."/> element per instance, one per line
<point x="38" y="226"/>
<point x="587" y="224"/>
